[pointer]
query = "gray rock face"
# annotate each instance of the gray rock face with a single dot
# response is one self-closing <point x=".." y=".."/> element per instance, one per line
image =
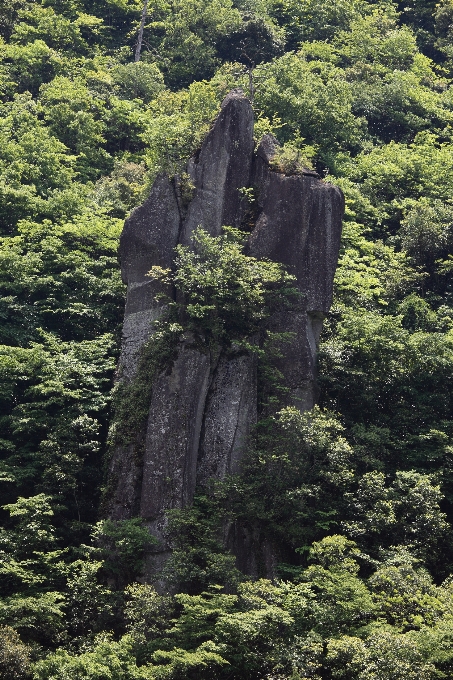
<point x="299" y="224"/>
<point x="230" y="410"/>
<point x="224" y="166"/>
<point x="173" y="432"/>
<point x="202" y="408"/>
<point x="149" y="238"/>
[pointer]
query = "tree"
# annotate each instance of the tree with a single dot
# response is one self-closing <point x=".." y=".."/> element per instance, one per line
<point x="14" y="656"/>
<point x="138" y="48"/>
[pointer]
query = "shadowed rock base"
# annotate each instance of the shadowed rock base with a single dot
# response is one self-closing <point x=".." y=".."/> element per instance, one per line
<point x="203" y="407"/>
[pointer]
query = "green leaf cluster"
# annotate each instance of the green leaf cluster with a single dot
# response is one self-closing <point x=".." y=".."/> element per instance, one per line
<point x="226" y="294"/>
<point x="328" y="623"/>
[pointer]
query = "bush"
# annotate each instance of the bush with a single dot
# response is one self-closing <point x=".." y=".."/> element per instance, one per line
<point x="14" y="656"/>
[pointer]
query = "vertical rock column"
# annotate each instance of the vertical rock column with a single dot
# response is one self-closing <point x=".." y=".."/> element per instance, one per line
<point x="177" y="413"/>
<point x="165" y="476"/>
<point x="299" y="225"/>
<point x="203" y="406"/>
<point x="221" y="170"/>
<point x="149" y="237"/>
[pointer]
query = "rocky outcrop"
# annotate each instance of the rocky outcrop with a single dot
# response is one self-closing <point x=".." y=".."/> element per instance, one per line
<point x="173" y="432"/>
<point x="230" y="410"/>
<point x="223" y="167"/>
<point x="203" y="406"/>
<point x="149" y="238"/>
<point x="299" y="225"/>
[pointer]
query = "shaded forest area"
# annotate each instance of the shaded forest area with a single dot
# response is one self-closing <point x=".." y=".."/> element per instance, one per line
<point x="358" y="495"/>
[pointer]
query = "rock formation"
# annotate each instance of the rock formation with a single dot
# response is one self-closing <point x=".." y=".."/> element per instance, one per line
<point x="202" y="409"/>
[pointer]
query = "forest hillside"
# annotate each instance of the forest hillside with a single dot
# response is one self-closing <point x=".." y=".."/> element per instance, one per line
<point x="357" y="494"/>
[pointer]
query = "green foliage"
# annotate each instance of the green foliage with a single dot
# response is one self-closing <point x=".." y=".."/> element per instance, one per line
<point x="55" y="383"/>
<point x="107" y="660"/>
<point x="74" y="116"/>
<point x="383" y="655"/>
<point x="33" y="532"/>
<point x="90" y="605"/>
<point x="122" y="546"/>
<point x="182" y="37"/>
<point x="14" y="656"/>
<point x="32" y="570"/>
<point x="39" y="618"/>
<point x="395" y="172"/>
<point x="291" y="160"/>
<point x="255" y="41"/>
<point x="284" y="629"/>
<point x="312" y="98"/>
<point x="138" y="80"/>
<point x="405" y="375"/>
<point x="371" y="274"/>
<point x="147" y="615"/>
<point x="404" y="606"/>
<point x="119" y="192"/>
<point x="343" y="603"/>
<point x="55" y="277"/>
<point x="54" y="402"/>
<point x="226" y="293"/>
<point x="315" y="20"/>
<point x="43" y="23"/>
<point x="407" y="512"/>
<point x="34" y="164"/>
<point x="177" y="124"/>
<point x="362" y="89"/>
<point x="198" y="558"/>
<point x="293" y="480"/>
<point x="443" y="18"/>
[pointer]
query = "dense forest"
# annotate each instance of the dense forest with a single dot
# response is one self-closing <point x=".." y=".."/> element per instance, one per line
<point x="357" y="494"/>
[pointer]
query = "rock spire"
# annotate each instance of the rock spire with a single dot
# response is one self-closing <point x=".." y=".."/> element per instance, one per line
<point x="202" y="409"/>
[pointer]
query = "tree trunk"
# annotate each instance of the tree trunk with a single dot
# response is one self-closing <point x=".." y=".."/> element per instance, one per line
<point x="138" y="49"/>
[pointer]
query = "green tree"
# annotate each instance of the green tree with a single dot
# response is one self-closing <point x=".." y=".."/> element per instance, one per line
<point x="122" y="545"/>
<point x="293" y="479"/>
<point x="14" y="656"/>
<point x="404" y="595"/>
<point x="106" y="659"/>
<point x="227" y="294"/>
<point x="314" y="20"/>
<point x="181" y="37"/>
<point x="407" y="512"/>
<point x="32" y="571"/>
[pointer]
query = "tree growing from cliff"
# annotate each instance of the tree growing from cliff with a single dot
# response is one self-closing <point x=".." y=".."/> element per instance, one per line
<point x="226" y="294"/>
